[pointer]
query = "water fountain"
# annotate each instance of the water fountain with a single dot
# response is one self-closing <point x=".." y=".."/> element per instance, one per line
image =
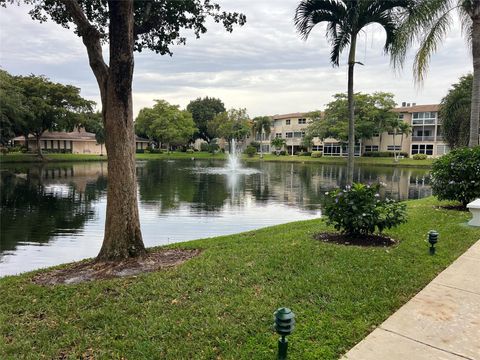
<point x="233" y="162"/>
<point x="233" y="167"/>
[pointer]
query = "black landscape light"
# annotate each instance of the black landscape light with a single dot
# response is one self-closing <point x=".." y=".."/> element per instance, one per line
<point x="432" y="239"/>
<point x="284" y="325"/>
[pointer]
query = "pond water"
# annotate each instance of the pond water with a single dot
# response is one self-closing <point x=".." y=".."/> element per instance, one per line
<point x="55" y="213"/>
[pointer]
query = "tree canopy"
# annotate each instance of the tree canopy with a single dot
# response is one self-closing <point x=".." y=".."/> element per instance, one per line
<point x="231" y="124"/>
<point x="165" y="124"/>
<point x="204" y="110"/>
<point x="372" y="115"/>
<point x="455" y="112"/>
<point x="12" y="108"/>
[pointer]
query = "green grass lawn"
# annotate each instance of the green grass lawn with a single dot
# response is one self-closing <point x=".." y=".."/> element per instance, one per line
<point x="219" y="305"/>
<point x="19" y="158"/>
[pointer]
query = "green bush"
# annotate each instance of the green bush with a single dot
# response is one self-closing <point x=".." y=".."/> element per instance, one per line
<point x="3" y="150"/>
<point x="456" y="175"/>
<point x="358" y="210"/>
<point x="140" y="151"/>
<point x="204" y="147"/>
<point x="155" y="151"/>
<point x="304" y="153"/>
<point x="190" y="151"/>
<point x="250" y="151"/>
<point x="419" y="157"/>
<point x="316" y="154"/>
<point x="256" y="145"/>
<point x="384" y="154"/>
<point x="282" y="153"/>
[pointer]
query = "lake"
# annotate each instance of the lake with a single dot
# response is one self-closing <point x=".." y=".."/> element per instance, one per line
<point x="55" y="213"/>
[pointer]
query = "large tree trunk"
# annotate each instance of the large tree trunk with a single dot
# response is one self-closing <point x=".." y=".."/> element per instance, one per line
<point x="351" y="111"/>
<point x="39" y="149"/>
<point x="475" y="110"/>
<point x="394" y="145"/>
<point x="123" y="238"/>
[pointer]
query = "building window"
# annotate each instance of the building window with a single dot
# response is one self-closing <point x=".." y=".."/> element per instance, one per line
<point x="392" y="148"/>
<point x="278" y="135"/>
<point x="376" y="134"/>
<point x="422" y="149"/>
<point x="289" y="135"/>
<point x="287" y="122"/>
<point x="400" y="116"/>
<point x="370" y="148"/>
<point x="302" y="121"/>
<point x="424" y="118"/>
<point x="44" y="144"/>
<point x="317" y="148"/>
<point x="332" y="149"/>
<point x="265" y="148"/>
<point x="298" y="134"/>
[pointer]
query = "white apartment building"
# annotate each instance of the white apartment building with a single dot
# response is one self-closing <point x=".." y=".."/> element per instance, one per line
<point x="426" y="137"/>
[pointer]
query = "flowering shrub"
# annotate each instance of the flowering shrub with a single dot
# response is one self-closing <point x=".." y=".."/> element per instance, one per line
<point x="456" y="175"/>
<point x="358" y="210"/>
<point x="419" y="157"/>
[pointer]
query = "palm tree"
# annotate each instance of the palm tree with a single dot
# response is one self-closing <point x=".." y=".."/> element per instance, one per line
<point x="405" y="129"/>
<point x="428" y="23"/>
<point x="278" y="143"/>
<point x="262" y="125"/>
<point x="345" y="19"/>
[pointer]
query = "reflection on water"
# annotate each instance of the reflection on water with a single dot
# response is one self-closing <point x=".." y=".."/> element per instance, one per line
<point x="55" y="213"/>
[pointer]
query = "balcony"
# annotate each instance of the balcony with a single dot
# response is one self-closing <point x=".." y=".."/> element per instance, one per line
<point x="423" y="138"/>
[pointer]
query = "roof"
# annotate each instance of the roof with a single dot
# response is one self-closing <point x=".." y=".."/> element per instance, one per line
<point x="418" y="108"/>
<point x="288" y="116"/>
<point x="63" y="135"/>
<point x="140" y="139"/>
<point x="77" y="135"/>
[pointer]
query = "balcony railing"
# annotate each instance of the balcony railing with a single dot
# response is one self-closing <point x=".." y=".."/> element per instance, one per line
<point x="423" y="138"/>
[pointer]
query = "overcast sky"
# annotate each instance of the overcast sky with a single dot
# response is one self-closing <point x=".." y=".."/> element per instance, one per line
<point x="263" y="66"/>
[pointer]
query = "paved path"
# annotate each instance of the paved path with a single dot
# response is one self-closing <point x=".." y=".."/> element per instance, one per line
<point x="442" y="322"/>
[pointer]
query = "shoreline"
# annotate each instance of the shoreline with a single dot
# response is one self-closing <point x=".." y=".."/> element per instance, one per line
<point x="65" y="158"/>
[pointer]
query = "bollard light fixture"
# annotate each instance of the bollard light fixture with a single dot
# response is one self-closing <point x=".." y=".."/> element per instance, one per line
<point x="284" y="324"/>
<point x="432" y="239"/>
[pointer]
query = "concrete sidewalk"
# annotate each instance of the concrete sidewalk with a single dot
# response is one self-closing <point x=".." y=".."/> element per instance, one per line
<point x="442" y="322"/>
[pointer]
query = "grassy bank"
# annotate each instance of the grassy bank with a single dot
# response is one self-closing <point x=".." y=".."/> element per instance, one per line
<point x="25" y="158"/>
<point x="219" y="305"/>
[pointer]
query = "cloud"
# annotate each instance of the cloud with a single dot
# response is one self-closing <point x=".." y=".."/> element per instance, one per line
<point x="263" y="66"/>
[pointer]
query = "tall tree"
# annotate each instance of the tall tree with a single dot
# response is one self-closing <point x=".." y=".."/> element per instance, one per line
<point x="262" y="125"/>
<point x="428" y="24"/>
<point x="455" y="112"/>
<point x="344" y="20"/>
<point x="278" y="143"/>
<point x="166" y="124"/>
<point x="12" y="108"/>
<point x="127" y="26"/>
<point x="231" y="124"/>
<point x="51" y="106"/>
<point x="405" y="130"/>
<point x="372" y="115"/>
<point x="203" y="111"/>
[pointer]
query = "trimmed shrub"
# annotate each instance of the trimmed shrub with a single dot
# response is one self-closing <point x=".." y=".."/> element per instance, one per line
<point x="316" y="154"/>
<point x="140" y="151"/>
<point x="384" y="154"/>
<point x="304" y="153"/>
<point x="456" y="175"/>
<point x="204" y="147"/>
<point x="358" y="210"/>
<point x="419" y="157"/>
<point x="256" y="145"/>
<point x="250" y="151"/>
<point x="282" y="153"/>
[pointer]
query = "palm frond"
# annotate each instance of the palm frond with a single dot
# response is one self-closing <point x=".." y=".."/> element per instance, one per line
<point x="312" y="12"/>
<point x="429" y="45"/>
<point x="422" y="15"/>
<point x="339" y="43"/>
